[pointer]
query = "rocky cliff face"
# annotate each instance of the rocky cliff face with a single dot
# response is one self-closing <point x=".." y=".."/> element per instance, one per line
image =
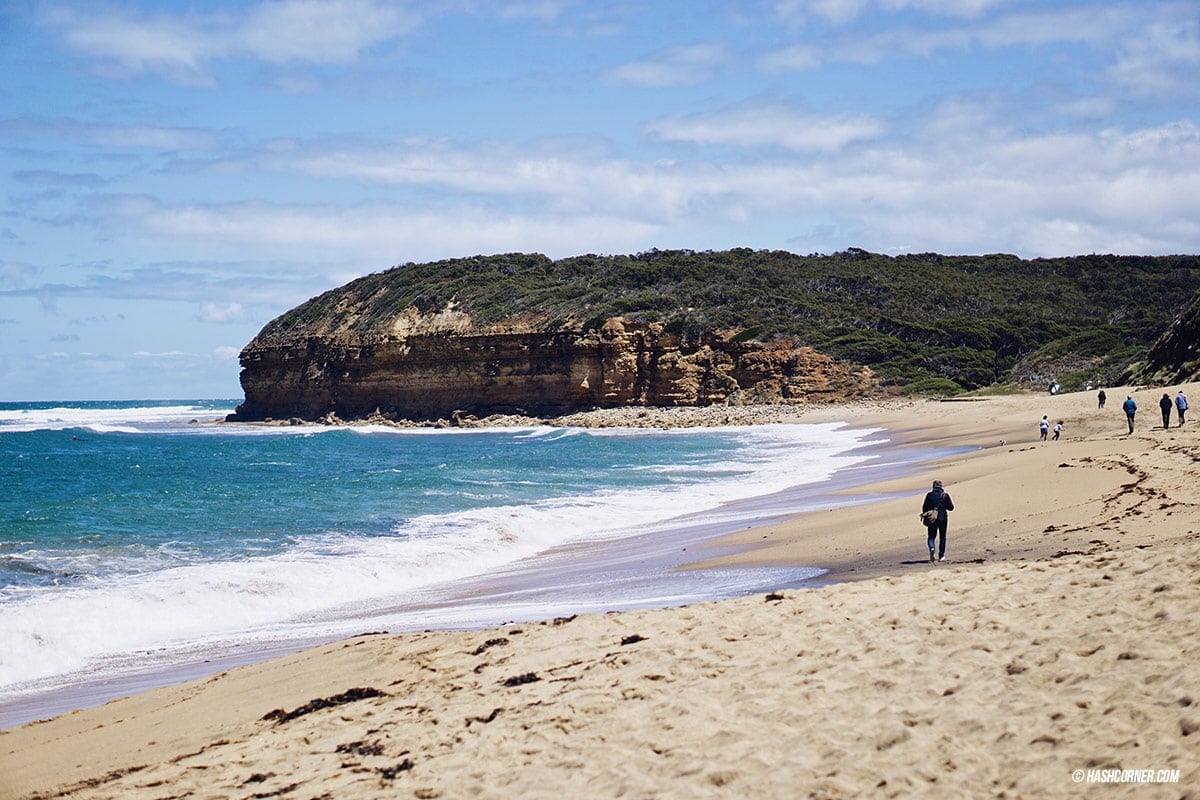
<point x="432" y="365"/>
<point x="1175" y="357"/>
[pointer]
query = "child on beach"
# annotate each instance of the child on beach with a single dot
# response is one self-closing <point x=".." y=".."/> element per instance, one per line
<point x="1044" y="427"/>
<point x="1057" y="429"/>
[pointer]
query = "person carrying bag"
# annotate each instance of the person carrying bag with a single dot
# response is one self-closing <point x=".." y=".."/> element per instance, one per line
<point x="934" y="517"/>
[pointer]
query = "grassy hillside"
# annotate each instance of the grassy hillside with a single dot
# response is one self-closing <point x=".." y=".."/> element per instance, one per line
<point x="928" y="322"/>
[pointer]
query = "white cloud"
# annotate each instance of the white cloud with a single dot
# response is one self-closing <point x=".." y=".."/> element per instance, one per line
<point x="1163" y="59"/>
<point x="320" y="31"/>
<point x="230" y="312"/>
<point x="1051" y="194"/>
<point x="1097" y="27"/>
<point x="571" y="180"/>
<point x="54" y="178"/>
<point x="166" y="355"/>
<point x="147" y="44"/>
<point x="969" y="183"/>
<point x="226" y="353"/>
<point x="380" y="234"/>
<point x="949" y="8"/>
<point x="152" y="137"/>
<point x="1093" y="108"/>
<point x="543" y="10"/>
<point x="841" y="12"/>
<point x="771" y="125"/>
<point x="181" y="46"/>
<point x="16" y="274"/>
<point x="797" y="57"/>
<point x="837" y="12"/>
<point x="677" y="66"/>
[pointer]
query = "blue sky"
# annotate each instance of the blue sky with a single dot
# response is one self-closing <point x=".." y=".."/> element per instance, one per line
<point x="174" y="175"/>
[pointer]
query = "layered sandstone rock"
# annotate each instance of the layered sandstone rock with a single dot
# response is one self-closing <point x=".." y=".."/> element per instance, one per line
<point x="434" y="365"/>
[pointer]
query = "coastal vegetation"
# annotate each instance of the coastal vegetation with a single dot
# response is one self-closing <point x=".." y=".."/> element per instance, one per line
<point x="924" y="322"/>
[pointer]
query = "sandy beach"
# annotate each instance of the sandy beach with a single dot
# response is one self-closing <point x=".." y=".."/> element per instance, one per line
<point x="1055" y="653"/>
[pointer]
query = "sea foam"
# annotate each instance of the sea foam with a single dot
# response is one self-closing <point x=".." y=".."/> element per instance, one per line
<point x="339" y="581"/>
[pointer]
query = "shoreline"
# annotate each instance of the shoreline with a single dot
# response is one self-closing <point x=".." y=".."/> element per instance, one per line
<point x="660" y="417"/>
<point x="1060" y="635"/>
<point x="1024" y="499"/>
<point x="656" y="569"/>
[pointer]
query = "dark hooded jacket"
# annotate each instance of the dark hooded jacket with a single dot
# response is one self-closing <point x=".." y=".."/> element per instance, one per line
<point x="938" y="499"/>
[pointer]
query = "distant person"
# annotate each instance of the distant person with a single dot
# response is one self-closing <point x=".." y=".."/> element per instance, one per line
<point x="1130" y="409"/>
<point x="1181" y="404"/>
<point x="1165" y="405"/>
<point x="1057" y="430"/>
<point x="939" y="502"/>
<point x="1102" y="397"/>
<point x="1044" y="427"/>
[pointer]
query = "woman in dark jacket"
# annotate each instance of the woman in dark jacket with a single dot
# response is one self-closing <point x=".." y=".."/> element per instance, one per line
<point x="1165" y="405"/>
<point x="937" y="500"/>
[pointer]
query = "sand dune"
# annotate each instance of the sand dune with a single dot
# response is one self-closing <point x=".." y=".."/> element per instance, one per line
<point x="1061" y="636"/>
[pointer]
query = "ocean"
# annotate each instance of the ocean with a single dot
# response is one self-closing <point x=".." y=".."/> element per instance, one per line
<point x="138" y="536"/>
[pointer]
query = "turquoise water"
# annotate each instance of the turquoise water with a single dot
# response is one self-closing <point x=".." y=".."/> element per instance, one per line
<point x="132" y="531"/>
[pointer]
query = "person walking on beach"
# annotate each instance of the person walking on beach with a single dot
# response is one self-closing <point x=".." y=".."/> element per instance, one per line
<point x="1044" y="427"/>
<point x="1181" y="404"/>
<point x="1057" y="430"/>
<point x="1164" y="406"/>
<point x="1130" y="409"/>
<point x="938" y="501"/>
<point x="1102" y="397"/>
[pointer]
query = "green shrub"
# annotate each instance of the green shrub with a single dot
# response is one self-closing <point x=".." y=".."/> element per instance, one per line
<point x="933" y="387"/>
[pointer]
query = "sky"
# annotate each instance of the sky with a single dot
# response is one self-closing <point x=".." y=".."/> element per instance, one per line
<point x="174" y="175"/>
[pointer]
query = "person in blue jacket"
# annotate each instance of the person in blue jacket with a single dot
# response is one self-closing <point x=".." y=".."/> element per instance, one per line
<point x="1130" y="408"/>
<point x="937" y="499"/>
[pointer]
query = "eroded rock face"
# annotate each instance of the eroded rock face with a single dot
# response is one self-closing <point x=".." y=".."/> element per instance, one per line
<point x="1175" y="357"/>
<point x="429" y="367"/>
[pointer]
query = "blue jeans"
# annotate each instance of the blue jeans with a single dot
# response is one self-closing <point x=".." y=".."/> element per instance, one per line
<point x="938" y="531"/>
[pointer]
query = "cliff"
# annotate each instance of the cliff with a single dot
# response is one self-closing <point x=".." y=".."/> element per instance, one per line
<point x="521" y="332"/>
<point x="428" y="369"/>
<point x="1175" y="356"/>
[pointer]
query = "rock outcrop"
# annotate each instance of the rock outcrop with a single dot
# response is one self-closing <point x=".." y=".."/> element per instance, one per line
<point x="1175" y="356"/>
<point x="511" y="332"/>
<point x="435" y="365"/>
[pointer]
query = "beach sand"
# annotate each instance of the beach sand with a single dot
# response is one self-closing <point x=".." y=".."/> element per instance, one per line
<point x="1061" y="635"/>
